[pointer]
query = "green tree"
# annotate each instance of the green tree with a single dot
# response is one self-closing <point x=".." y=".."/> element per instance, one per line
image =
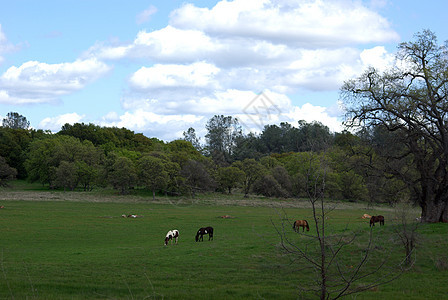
<point x="122" y="175"/>
<point x="313" y="136"/>
<point x="196" y="177"/>
<point x="152" y="173"/>
<point x="66" y="176"/>
<point x="15" y="121"/>
<point x="230" y="177"/>
<point x="46" y="155"/>
<point x="282" y="177"/>
<point x="410" y="101"/>
<point x="221" y="138"/>
<point x="253" y="170"/>
<point x="190" y="136"/>
<point x="13" y="146"/>
<point x="6" y="172"/>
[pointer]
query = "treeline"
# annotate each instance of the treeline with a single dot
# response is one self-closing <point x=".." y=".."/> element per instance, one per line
<point x="278" y="162"/>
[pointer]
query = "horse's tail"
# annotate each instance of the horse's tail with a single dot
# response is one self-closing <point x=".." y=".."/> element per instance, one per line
<point x="294" y="225"/>
<point x="307" y="225"/>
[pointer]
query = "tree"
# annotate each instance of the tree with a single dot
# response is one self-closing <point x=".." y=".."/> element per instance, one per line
<point x="221" y="138"/>
<point x="13" y="145"/>
<point x="313" y="136"/>
<point x="410" y="102"/>
<point x="253" y="170"/>
<point x="152" y="173"/>
<point x="321" y="250"/>
<point x="15" y="121"/>
<point x="190" y="136"/>
<point x="66" y="175"/>
<point x="230" y="177"/>
<point x="196" y="177"/>
<point x="122" y="176"/>
<point x="6" y="172"/>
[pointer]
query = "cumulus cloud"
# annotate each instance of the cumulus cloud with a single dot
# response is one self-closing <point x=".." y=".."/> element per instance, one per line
<point x="165" y="127"/>
<point x="215" y="60"/>
<point x="254" y="111"/>
<point x="54" y="124"/>
<point x="316" y="23"/>
<point x="196" y="75"/>
<point x="37" y="82"/>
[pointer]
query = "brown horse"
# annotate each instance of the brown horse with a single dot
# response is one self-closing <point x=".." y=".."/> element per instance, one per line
<point x="375" y="219"/>
<point x="302" y="223"/>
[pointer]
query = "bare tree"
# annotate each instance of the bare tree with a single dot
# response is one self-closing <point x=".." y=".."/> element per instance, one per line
<point x="321" y="253"/>
<point x="407" y="231"/>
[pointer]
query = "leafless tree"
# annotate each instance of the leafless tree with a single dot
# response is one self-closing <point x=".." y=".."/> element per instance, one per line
<point x="407" y="231"/>
<point x="335" y="275"/>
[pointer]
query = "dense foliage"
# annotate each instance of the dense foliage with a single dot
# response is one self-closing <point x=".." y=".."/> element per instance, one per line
<point x="273" y="163"/>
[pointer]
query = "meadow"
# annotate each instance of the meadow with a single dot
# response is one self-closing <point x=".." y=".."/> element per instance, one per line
<point x="57" y="245"/>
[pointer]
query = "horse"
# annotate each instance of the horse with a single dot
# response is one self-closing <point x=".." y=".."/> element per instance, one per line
<point x="366" y="216"/>
<point x="375" y="219"/>
<point x="202" y="231"/>
<point x="303" y="223"/>
<point x="172" y="234"/>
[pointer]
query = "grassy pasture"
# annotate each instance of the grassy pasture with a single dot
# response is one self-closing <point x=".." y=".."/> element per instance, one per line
<point x="86" y="250"/>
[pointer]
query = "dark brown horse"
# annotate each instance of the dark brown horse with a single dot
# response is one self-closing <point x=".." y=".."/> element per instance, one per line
<point x="302" y="223"/>
<point x="202" y="231"/>
<point x="375" y="219"/>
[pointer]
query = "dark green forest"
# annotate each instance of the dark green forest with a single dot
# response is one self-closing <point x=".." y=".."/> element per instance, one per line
<point x="274" y="163"/>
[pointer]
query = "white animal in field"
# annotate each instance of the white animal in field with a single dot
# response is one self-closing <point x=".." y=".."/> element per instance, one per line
<point x="172" y="235"/>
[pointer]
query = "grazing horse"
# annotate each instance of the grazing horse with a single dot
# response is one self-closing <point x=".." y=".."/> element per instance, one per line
<point x="202" y="231"/>
<point x="302" y="223"/>
<point x="172" y="234"/>
<point x="375" y="219"/>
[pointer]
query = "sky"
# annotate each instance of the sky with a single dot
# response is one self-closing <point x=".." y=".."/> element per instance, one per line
<point x="161" y="67"/>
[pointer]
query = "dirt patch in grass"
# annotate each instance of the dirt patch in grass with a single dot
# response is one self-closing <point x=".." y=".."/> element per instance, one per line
<point x="14" y="195"/>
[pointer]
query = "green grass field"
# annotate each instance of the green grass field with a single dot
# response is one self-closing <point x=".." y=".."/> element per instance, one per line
<point x="85" y="250"/>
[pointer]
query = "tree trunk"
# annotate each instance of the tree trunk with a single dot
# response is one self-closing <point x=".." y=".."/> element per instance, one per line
<point x="434" y="211"/>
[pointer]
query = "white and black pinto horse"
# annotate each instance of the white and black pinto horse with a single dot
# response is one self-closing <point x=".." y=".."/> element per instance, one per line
<point x="202" y="231"/>
<point x="171" y="235"/>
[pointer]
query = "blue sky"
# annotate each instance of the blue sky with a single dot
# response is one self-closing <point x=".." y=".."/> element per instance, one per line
<point x="162" y="67"/>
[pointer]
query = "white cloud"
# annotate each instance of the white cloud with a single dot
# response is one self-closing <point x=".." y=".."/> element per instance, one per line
<point x="377" y="57"/>
<point x="316" y="23"/>
<point x="168" y="44"/>
<point x="310" y="113"/>
<point x="55" y="123"/>
<point x="168" y="120"/>
<point x="196" y="75"/>
<point x="145" y="15"/>
<point x="36" y="82"/>
<point x="215" y="61"/>
<point x="165" y="127"/>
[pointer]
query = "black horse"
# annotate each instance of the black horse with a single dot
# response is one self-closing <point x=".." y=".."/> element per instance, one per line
<point x="202" y="231"/>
